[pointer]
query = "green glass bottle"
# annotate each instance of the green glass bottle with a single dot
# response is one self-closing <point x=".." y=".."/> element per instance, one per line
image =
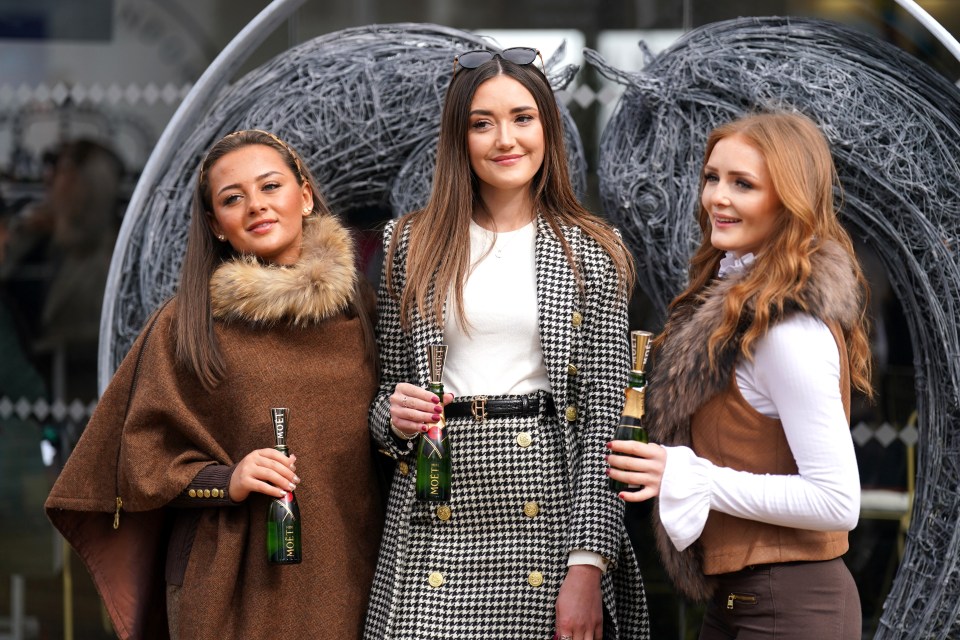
<point x="433" y="454"/>
<point x="283" y="515"/>
<point x="631" y="421"/>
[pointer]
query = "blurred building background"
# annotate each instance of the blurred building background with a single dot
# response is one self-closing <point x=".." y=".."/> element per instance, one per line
<point x="86" y="88"/>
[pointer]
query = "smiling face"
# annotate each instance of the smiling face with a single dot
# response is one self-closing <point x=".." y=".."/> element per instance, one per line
<point x="739" y="197"/>
<point x="505" y="136"/>
<point x="258" y="205"/>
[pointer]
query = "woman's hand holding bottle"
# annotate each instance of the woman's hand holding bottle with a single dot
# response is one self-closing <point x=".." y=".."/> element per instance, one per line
<point x="265" y="471"/>
<point x="638" y="463"/>
<point x="413" y="408"/>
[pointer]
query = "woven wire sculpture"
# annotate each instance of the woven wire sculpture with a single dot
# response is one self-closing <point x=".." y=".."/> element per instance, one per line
<point x="362" y="106"/>
<point x="894" y="127"/>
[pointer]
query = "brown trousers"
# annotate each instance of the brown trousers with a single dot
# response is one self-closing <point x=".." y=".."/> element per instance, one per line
<point x="786" y="601"/>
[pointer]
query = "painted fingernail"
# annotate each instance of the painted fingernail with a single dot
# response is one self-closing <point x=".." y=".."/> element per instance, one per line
<point x="606" y="457"/>
<point x="296" y="478"/>
<point x="434" y="399"/>
<point x="609" y="445"/>
<point x="621" y="494"/>
<point x="437" y="408"/>
<point x="606" y="471"/>
<point x="435" y="417"/>
<point x="291" y="486"/>
<point x="423" y="427"/>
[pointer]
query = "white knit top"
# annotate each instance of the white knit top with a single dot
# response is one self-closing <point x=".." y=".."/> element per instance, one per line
<point x="501" y="353"/>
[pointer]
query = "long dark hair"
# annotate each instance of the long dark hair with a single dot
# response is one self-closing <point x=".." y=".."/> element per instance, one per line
<point x="444" y="222"/>
<point x="196" y="343"/>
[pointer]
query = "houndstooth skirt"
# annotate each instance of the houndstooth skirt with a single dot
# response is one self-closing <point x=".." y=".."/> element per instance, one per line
<point x="489" y="564"/>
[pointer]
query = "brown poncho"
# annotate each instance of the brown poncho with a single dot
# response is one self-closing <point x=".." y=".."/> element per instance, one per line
<point x="288" y="340"/>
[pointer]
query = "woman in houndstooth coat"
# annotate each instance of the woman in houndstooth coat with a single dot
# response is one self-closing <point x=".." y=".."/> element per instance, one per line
<point x="528" y="290"/>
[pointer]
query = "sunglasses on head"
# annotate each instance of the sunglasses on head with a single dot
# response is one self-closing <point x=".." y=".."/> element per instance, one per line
<point x="516" y="55"/>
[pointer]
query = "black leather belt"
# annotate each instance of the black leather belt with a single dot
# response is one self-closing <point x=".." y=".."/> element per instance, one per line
<point x="481" y="409"/>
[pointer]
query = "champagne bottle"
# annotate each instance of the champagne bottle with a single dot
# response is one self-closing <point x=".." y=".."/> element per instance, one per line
<point x="283" y="515"/>
<point x="631" y="422"/>
<point x="433" y="454"/>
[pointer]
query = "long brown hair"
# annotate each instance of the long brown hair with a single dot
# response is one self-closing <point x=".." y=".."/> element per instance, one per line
<point x="803" y="175"/>
<point x="444" y="222"/>
<point x="196" y="343"/>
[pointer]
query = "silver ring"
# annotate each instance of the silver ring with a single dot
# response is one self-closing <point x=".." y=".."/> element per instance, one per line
<point x="404" y="402"/>
<point x="566" y="637"/>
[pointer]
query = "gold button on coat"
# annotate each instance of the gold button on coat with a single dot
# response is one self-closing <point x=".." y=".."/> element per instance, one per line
<point x="571" y="413"/>
<point x="535" y="579"/>
<point x="531" y="509"/>
<point x="206" y="493"/>
<point x="435" y="579"/>
<point x="577" y="319"/>
<point x="524" y="439"/>
<point x="443" y="512"/>
<point x="214" y="493"/>
<point x="192" y="493"/>
<point x="571" y="369"/>
<point x="403" y="467"/>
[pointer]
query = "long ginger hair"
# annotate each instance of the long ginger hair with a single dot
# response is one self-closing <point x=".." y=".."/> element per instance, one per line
<point x="803" y="175"/>
<point x="438" y="254"/>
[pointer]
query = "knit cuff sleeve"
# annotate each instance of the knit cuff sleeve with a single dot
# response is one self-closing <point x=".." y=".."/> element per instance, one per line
<point x="209" y="488"/>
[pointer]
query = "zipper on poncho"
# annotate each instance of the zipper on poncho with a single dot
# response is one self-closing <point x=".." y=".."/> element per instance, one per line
<point x="116" y="515"/>
<point x="133" y="387"/>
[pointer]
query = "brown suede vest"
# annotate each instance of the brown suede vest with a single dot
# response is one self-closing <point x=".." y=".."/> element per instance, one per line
<point x="729" y="432"/>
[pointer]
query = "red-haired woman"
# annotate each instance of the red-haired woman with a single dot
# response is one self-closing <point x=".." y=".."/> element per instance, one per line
<point x="750" y="393"/>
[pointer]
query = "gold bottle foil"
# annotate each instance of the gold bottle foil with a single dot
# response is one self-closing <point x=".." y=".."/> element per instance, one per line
<point x="436" y="355"/>
<point x="640" y="343"/>
<point x="635" y="401"/>
<point x="635" y="405"/>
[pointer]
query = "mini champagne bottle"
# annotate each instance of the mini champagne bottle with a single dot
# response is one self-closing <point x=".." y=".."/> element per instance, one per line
<point x="433" y="454"/>
<point x="283" y="515"/>
<point x="631" y="422"/>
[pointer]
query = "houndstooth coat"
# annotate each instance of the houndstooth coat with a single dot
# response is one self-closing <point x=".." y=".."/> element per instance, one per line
<point x="490" y="565"/>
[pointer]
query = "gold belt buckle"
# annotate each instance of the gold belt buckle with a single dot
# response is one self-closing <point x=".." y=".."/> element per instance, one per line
<point x="478" y="408"/>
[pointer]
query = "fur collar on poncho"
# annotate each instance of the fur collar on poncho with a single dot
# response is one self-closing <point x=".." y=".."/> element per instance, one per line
<point x="321" y="283"/>
<point x="681" y="381"/>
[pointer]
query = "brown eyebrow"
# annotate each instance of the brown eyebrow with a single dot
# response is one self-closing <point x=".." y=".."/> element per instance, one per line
<point x="260" y="177"/>
<point x="484" y="112"/>
<point x="734" y="173"/>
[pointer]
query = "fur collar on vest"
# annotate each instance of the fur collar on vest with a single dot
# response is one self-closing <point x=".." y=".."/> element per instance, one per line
<point x="681" y="380"/>
<point x="318" y="286"/>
